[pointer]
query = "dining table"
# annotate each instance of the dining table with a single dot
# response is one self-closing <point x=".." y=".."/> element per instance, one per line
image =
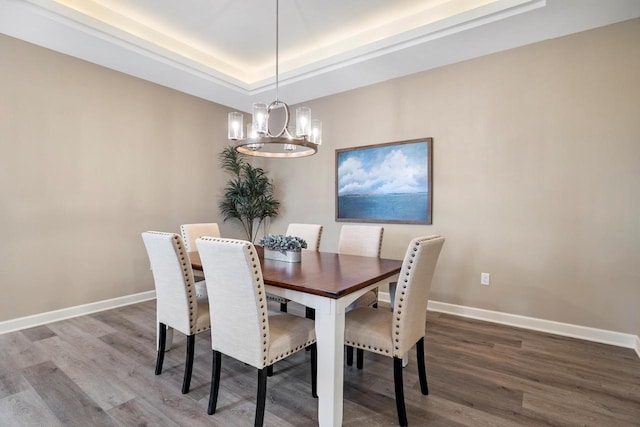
<point x="327" y="282"/>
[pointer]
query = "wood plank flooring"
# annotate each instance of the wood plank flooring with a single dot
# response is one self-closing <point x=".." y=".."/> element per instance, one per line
<point x="98" y="370"/>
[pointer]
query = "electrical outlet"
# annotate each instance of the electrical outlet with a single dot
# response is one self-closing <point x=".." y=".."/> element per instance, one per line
<point x="484" y="279"/>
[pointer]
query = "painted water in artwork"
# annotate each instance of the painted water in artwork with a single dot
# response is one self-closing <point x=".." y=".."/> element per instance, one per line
<point x="407" y="207"/>
<point x="388" y="182"/>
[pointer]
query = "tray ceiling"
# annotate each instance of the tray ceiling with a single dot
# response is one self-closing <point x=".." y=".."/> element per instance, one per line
<point x="224" y="50"/>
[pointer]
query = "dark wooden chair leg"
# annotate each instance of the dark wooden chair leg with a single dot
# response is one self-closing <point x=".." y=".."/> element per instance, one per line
<point x="397" y="380"/>
<point x="188" y="366"/>
<point x="422" y="371"/>
<point x="283" y="307"/>
<point x="270" y="370"/>
<point x="349" y="355"/>
<point x="262" y="397"/>
<point x="359" y="358"/>
<point x="314" y="370"/>
<point x="310" y="313"/>
<point x="162" y="339"/>
<point x="215" y="382"/>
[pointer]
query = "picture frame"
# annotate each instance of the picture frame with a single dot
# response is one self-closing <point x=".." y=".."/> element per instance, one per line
<point x="385" y="183"/>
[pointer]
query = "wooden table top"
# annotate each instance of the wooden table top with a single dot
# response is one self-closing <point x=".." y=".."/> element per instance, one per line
<point x="322" y="273"/>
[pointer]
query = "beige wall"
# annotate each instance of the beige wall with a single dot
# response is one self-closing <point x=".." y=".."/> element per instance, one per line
<point x="536" y="175"/>
<point x="90" y="158"/>
<point x="537" y="170"/>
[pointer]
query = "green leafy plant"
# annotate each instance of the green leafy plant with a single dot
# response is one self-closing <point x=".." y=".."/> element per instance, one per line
<point x="248" y="195"/>
<point x="278" y="242"/>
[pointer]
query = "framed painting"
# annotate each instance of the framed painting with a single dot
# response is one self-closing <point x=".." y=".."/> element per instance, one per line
<point x="386" y="183"/>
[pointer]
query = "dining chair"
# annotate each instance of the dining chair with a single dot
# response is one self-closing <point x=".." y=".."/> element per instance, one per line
<point x="190" y="232"/>
<point x="362" y="240"/>
<point x="311" y="233"/>
<point x="242" y="327"/>
<point x="393" y="334"/>
<point x="176" y="304"/>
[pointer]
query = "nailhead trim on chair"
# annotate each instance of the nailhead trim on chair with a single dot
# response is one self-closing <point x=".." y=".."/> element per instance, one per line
<point x="190" y="286"/>
<point x="263" y="311"/>
<point x="282" y="356"/>
<point x="275" y="298"/>
<point x="184" y="235"/>
<point x="403" y="291"/>
<point x="319" y="238"/>
<point x="365" y="347"/>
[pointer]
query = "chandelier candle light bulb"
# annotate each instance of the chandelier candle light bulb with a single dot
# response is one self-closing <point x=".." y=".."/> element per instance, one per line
<point x="303" y="121"/>
<point x="260" y="118"/>
<point x="252" y="134"/>
<point x="235" y="126"/>
<point x="316" y="131"/>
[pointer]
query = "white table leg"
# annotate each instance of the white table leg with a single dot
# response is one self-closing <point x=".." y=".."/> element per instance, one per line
<point x="330" y="342"/>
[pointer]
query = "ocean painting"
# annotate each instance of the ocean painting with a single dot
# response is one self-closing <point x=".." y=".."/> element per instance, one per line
<point x="389" y="183"/>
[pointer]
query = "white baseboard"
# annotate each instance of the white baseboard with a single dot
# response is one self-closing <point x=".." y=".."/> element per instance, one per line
<point x="565" y="329"/>
<point x="67" y="313"/>
<point x="558" y="328"/>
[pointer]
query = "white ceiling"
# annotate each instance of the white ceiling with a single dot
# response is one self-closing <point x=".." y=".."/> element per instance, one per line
<point x="224" y="50"/>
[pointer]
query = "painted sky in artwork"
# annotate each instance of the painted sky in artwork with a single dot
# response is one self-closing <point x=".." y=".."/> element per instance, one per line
<point x="383" y="170"/>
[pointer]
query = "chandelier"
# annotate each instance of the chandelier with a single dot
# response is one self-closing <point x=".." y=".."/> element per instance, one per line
<point x="260" y="141"/>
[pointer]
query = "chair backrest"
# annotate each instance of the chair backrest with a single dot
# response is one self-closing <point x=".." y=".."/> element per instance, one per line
<point x="237" y="299"/>
<point x="173" y="277"/>
<point x="190" y="232"/>
<point x="412" y="293"/>
<point x="311" y="233"/>
<point x="363" y="240"/>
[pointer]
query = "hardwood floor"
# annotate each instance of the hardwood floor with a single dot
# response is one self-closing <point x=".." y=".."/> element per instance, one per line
<point x="99" y="370"/>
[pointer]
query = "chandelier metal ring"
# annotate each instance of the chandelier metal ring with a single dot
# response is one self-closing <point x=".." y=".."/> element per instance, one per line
<point x="287" y="116"/>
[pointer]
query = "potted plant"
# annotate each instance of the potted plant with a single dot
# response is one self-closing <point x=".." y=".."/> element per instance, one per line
<point x="248" y="196"/>
<point x="283" y="248"/>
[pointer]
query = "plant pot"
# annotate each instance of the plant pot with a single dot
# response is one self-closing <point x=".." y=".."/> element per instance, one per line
<point x="286" y="256"/>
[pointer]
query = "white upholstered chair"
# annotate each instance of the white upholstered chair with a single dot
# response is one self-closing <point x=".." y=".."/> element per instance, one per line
<point x="190" y="232"/>
<point x="241" y="325"/>
<point x="177" y="306"/>
<point x="311" y="233"/>
<point x="393" y="334"/>
<point x="362" y="240"/>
